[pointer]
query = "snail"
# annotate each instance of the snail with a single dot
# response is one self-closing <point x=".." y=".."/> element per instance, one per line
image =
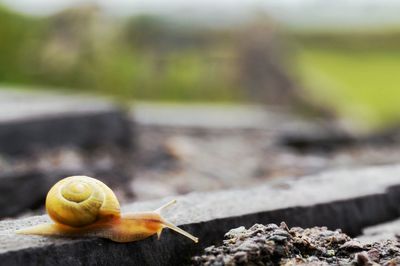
<point x="84" y="206"/>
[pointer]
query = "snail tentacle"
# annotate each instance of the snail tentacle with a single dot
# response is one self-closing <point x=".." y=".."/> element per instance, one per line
<point x="171" y="226"/>
<point x="172" y="202"/>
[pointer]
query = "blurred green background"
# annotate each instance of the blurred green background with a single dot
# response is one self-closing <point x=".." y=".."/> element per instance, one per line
<point x="352" y="73"/>
<point x="357" y="72"/>
<point x="142" y="57"/>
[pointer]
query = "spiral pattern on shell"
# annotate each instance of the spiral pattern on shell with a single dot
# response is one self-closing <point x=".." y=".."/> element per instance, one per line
<point x="79" y="201"/>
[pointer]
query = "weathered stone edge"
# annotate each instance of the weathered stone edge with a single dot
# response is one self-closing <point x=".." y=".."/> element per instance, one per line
<point x="173" y="249"/>
<point x="91" y="129"/>
<point x="350" y="214"/>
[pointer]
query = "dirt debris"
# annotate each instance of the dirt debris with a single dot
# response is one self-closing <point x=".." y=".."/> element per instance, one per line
<point x="278" y="245"/>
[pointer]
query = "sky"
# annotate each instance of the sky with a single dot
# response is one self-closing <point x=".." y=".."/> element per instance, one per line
<point x="294" y="12"/>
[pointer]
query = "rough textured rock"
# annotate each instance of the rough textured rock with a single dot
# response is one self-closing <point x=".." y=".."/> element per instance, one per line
<point x="278" y="245"/>
<point x="350" y="200"/>
<point x="31" y="121"/>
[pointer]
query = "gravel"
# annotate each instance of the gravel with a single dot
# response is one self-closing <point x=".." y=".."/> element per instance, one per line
<point x="278" y="245"/>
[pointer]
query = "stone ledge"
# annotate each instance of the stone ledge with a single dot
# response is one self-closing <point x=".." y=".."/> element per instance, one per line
<point x="350" y="200"/>
<point x="31" y="121"/>
<point x="209" y="116"/>
<point x="22" y="105"/>
<point x="107" y="127"/>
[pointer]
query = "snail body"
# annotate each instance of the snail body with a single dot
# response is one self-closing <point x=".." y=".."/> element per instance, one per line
<point x="82" y="206"/>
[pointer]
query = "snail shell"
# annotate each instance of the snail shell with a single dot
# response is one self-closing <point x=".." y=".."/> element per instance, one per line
<point x="78" y="201"/>
<point x="84" y="206"/>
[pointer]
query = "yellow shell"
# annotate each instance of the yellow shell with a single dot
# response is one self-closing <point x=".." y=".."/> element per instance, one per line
<point x="81" y="200"/>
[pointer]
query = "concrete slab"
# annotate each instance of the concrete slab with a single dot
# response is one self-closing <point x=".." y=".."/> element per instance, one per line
<point x="209" y="116"/>
<point x="350" y="200"/>
<point x="30" y="121"/>
<point x="25" y="104"/>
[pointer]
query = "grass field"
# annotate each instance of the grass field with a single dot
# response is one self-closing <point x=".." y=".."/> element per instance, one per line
<point x="363" y="84"/>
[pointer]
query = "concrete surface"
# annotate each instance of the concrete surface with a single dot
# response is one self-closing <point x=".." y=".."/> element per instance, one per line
<point x="209" y="116"/>
<point x="32" y="121"/>
<point x="350" y="200"/>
